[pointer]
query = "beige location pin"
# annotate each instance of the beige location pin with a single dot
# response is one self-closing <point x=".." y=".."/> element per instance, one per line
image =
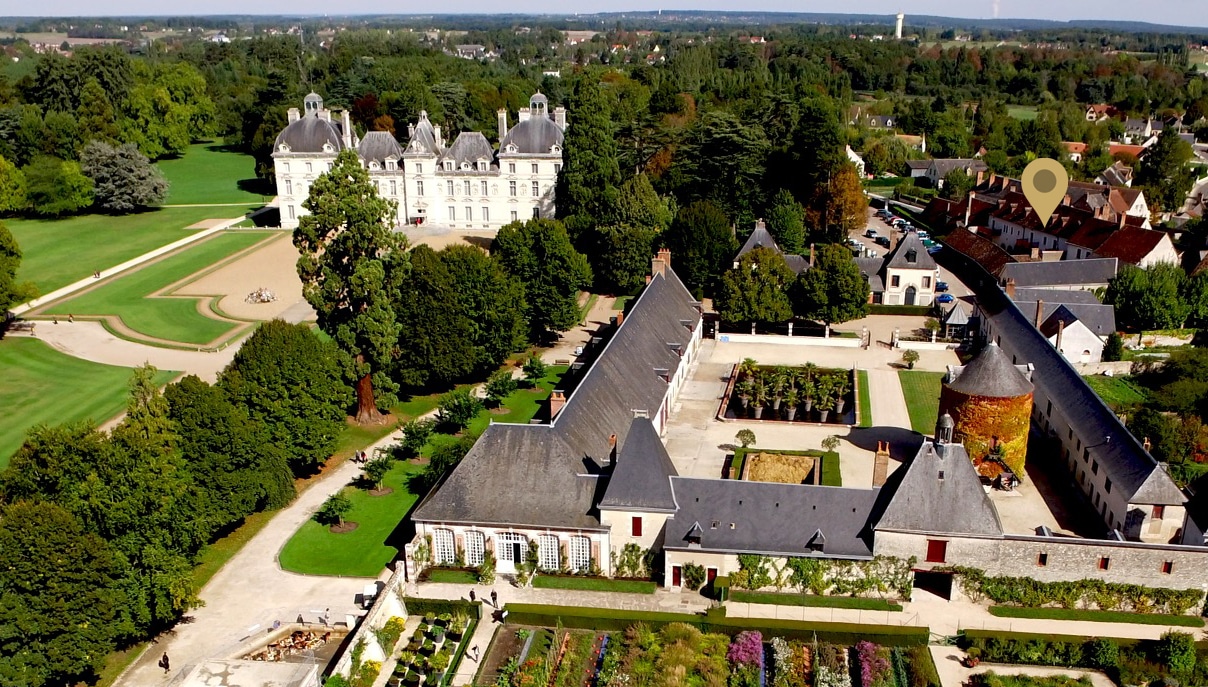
<point x="1044" y="185"/>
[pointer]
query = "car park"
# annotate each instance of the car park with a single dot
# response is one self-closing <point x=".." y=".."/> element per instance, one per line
<point x="923" y="235"/>
<point x="882" y="241"/>
<point x="944" y="298"/>
<point x="941" y="286"/>
<point x="935" y="248"/>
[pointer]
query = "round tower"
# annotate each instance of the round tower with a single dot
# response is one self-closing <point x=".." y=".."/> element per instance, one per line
<point x="990" y="401"/>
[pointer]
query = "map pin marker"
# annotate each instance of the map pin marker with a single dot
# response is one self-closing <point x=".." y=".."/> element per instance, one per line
<point x="1044" y="185"/>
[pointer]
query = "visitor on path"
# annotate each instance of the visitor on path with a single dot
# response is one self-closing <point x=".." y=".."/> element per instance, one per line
<point x="494" y="598"/>
<point x="70" y="317"/>
<point x="476" y="657"/>
<point x="163" y="663"/>
<point x="471" y="596"/>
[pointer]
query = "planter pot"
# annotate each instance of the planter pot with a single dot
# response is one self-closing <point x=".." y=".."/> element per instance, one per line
<point x="822" y="415"/>
<point x="808" y="405"/>
<point x="758" y="412"/>
<point x="776" y="405"/>
<point x="745" y="402"/>
<point x="792" y="412"/>
<point x="839" y="405"/>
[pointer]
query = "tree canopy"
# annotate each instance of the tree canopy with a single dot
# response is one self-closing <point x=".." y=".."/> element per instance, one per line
<point x="757" y="290"/>
<point x="702" y="246"/>
<point x="12" y="292"/>
<point x="833" y="290"/>
<point x="539" y="253"/>
<point x="123" y="179"/>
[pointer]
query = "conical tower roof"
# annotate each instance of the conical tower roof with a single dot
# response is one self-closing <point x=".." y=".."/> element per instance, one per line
<point x="991" y="374"/>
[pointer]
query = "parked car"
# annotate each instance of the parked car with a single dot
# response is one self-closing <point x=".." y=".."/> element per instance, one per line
<point x="882" y="241"/>
<point x="923" y="235"/>
<point x="944" y="298"/>
<point x="871" y="233"/>
<point x="941" y="286"/>
<point x="933" y="249"/>
<point x="853" y="242"/>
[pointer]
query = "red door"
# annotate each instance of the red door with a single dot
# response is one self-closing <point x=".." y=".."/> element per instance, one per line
<point x="937" y="550"/>
<point x="712" y="572"/>
<point x="676" y="576"/>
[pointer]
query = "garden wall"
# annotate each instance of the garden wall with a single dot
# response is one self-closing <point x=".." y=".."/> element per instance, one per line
<point x="389" y="604"/>
<point x="927" y="345"/>
<point x="834" y="341"/>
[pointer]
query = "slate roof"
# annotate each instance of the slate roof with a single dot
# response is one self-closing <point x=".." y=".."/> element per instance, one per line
<point x="641" y="478"/>
<point x="1080" y="296"/>
<point x="551" y="475"/>
<point x="981" y="250"/>
<point x="770" y="518"/>
<point x="956" y="315"/>
<point x="423" y="137"/>
<point x="939" y="491"/>
<point x="970" y="166"/>
<point x="1060" y="272"/>
<point x="376" y="146"/>
<point x="1099" y="318"/>
<point x="762" y="238"/>
<point x="534" y="136"/>
<point x="899" y="259"/>
<point x="1130" y="244"/>
<point x="871" y="269"/>
<point x="990" y="373"/>
<point x="469" y="147"/>
<point x="308" y="134"/>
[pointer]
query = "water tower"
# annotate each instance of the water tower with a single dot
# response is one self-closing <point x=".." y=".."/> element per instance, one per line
<point x="897" y="31"/>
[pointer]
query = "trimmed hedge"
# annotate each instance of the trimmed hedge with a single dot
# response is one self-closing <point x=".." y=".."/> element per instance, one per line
<point x="1096" y="616"/>
<point x="615" y="620"/>
<point x="435" y="607"/>
<point x="594" y="584"/>
<point x="882" y="309"/>
<point x="1106" y="596"/>
<point x="783" y="599"/>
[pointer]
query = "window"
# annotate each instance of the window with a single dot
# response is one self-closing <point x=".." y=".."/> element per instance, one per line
<point x="536" y="212"/>
<point x="469" y="214"/>
<point x="1042" y="560"/>
<point x="1094" y="467"/>
<point x="419" y="168"/>
<point x="486" y="214"/>
<point x="443" y="550"/>
<point x="557" y="168"/>
<point x="941" y="475"/>
<point x="580" y="554"/>
<point x="1086" y="454"/>
<point x="1105" y="563"/>
<point x="515" y="215"/>
<point x="390" y="165"/>
<point x="476" y="545"/>
<point x="1167" y="567"/>
<point x="466" y="185"/>
<point x="534" y="168"/>
<point x="512" y="188"/>
<point x="1049" y="410"/>
<point x="926" y="282"/>
<point x="393" y="187"/>
<point x="482" y="185"/>
<point x="449" y="187"/>
<point x="937" y="550"/>
<point x="1159" y="512"/>
<point x="289" y="187"/>
<point x="419" y="188"/>
<point x="286" y="166"/>
<point x="895" y="281"/>
<point x="1071" y="432"/>
<point x="547" y="552"/>
<point x="309" y="168"/>
<point x="536" y="189"/>
<point x="511" y="168"/>
<point x="452" y="213"/>
<point x="637" y="526"/>
<point x="291" y="212"/>
<point x="1107" y="485"/>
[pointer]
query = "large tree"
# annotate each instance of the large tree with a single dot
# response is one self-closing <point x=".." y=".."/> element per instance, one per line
<point x="786" y="223"/>
<point x="588" y="185"/>
<point x="702" y="246"/>
<point x="12" y="188"/>
<point x="433" y="332"/>
<point x="167" y="108"/>
<point x="123" y="179"/>
<point x="640" y="206"/>
<point x="12" y="292"/>
<point x="833" y="290"/>
<point x="350" y="267"/>
<point x="1164" y="172"/>
<point x="624" y="253"/>
<point x="724" y="159"/>
<point x="289" y="379"/>
<point x="56" y="187"/>
<point x="494" y="301"/>
<point x="1150" y="298"/>
<point x="846" y="206"/>
<point x="539" y="253"/>
<point x="757" y="290"/>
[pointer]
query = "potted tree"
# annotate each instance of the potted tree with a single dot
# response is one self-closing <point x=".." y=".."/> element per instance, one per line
<point x="778" y="382"/>
<point x="760" y="398"/>
<point x="825" y="404"/>
<point x="745" y="389"/>
<point x="808" y="389"/>
<point x="840" y="389"/>
<point x="791" y="398"/>
<point x="747" y="368"/>
<point x="910" y="357"/>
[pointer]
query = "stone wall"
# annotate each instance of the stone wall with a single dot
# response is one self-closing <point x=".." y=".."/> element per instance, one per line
<point x="389" y="603"/>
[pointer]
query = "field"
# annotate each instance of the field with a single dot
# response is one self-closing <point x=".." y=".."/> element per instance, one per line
<point x="922" y="393"/>
<point x="1116" y="392"/>
<point x="1024" y="112"/>
<point x="211" y="173"/>
<point x="171" y="319"/>
<point x="41" y="385"/>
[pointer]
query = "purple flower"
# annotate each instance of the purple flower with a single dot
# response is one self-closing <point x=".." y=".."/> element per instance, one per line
<point x="873" y="667"/>
<point x="746" y="649"/>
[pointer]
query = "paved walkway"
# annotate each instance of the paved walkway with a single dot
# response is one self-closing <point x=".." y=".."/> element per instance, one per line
<point x="888" y="403"/>
<point x="954" y="674"/>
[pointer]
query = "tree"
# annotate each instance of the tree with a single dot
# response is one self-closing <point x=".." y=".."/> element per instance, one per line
<point x="1164" y="172"/>
<point x="376" y="470"/>
<point x="415" y="435"/>
<point x="539" y="253"/>
<point x="12" y="188"/>
<point x="123" y="179"/>
<point x="1149" y="298"/>
<point x="745" y="437"/>
<point x="910" y="357"/>
<point x="724" y="159"/>
<point x="623" y="257"/>
<point x="702" y="246"/>
<point x="500" y="386"/>
<point x="817" y="146"/>
<point x="351" y="265"/>
<point x="833" y="290"/>
<point x="12" y="292"/>
<point x="640" y="206"/>
<point x="458" y="407"/>
<point x="757" y="290"/>
<point x="56" y="187"/>
<point x="588" y="185"/>
<point x="61" y="597"/>
<point x="333" y="510"/>
<point x="1176" y="651"/>
<point x="846" y="205"/>
<point x="535" y="369"/>
<point x="786" y="223"/>
<point x="494" y="301"/>
<point x="1113" y="349"/>
<point x="289" y="379"/>
<point x="957" y="184"/>
<point x="167" y="108"/>
<point x="432" y="333"/>
<point x="96" y="114"/>
<point x="831" y="443"/>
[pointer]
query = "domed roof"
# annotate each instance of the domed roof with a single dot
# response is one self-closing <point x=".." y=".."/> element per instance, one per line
<point x="534" y="136"/>
<point x="308" y="134"/>
<point x="991" y="374"/>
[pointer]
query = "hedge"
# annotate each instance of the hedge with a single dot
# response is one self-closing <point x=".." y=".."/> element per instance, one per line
<point x="618" y="620"/>
<point x="1096" y="616"/>
<point x="811" y="600"/>
<point x="1106" y="596"/>
<point x="594" y="584"/>
<point x="882" y="309"/>
<point x="417" y="606"/>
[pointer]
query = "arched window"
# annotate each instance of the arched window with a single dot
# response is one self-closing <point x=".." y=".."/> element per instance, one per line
<point x="443" y="550"/>
<point x="547" y="552"/>
<point x="580" y="554"/>
<point x="476" y="545"/>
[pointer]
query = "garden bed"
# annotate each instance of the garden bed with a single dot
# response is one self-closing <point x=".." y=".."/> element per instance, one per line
<point x="1096" y="616"/>
<point x="594" y="584"/>
<point x="775" y="465"/>
<point x="803" y="394"/>
<point x="811" y="600"/>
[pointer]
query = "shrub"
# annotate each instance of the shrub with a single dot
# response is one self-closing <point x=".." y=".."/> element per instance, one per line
<point x="458" y="407"/>
<point x="873" y="663"/>
<point x="1103" y="654"/>
<point x="746" y="649"/>
<point x="745" y="437"/>
<point x="415" y="436"/>
<point x="535" y="368"/>
<point x="910" y="357"/>
<point x="486" y="570"/>
<point x="500" y="385"/>
<point x="333" y="510"/>
<point x="1176" y="650"/>
<point x="920" y="668"/>
<point x="388" y="634"/>
<point x="694" y="576"/>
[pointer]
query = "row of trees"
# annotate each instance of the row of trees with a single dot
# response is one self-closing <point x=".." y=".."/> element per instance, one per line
<point x="1160" y="296"/>
<point x="113" y="179"/>
<point x="99" y="531"/>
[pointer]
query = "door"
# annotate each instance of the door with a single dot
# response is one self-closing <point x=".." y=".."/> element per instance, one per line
<point x="937" y="550"/>
<point x="676" y="576"/>
<point x="711" y="575"/>
<point x="910" y="295"/>
<point x="517" y="554"/>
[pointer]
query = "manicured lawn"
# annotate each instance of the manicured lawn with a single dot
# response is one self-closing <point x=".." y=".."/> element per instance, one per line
<point x="40" y="385"/>
<point x="452" y="576"/>
<point x="812" y="600"/>
<point x="210" y="173"/>
<point x="1117" y="392"/>
<point x="1096" y="616"/>
<point x="1023" y="112"/>
<point x="587" y="306"/>
<point x="363" y="552"/>
<point x="59" y="252"/>
<point x="594" y="584"/>
<point x="521" y="405"/>
<point x="621" y="302"/>
<point x="174" y="319"/>
<point x="922" y="393"/>
<point x="865" y="407"/>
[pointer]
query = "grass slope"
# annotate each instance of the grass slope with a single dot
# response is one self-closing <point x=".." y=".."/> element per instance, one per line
<point x="1117" y="392"/>
<point x="1096" y="616"/>
<point x="363" y="552"/>
<point x="41" y="385"/>
<point x="594" y="584"/>
<point x="922" y="393"/>
<point x="175" y="319"/>
<point x="211" y="173"/>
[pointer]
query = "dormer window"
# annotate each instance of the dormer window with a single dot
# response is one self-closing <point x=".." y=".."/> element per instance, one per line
<point x="817" y="542"/>
<point x="912" y="255"/>
<point x="482" y="165"/>
<point x="373" y="165"/>
<point x="327" y="148"/>
<point x="555" y="149"/>
<point x="511" y="148"/>
<point x="283" y="148"/>
<point x="448" y="165"/>
<point x="390" y="165"/>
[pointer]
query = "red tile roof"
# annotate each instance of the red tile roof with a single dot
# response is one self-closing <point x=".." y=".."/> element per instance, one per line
<point x="1130" y="244"/>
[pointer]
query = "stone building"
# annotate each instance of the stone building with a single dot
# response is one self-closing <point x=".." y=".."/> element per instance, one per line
<point x="990" y="400"/>
<point x="464" y="185"/>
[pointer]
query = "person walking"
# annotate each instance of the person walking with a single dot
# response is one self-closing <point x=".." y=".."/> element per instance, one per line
<point x="494" y="598"/>
<point x="471" y="596"/>
<point x="163" y="663"/>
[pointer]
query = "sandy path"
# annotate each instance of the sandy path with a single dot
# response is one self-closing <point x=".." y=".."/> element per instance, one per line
<point x="272" y="266"/>
<point x="91" y="341"/>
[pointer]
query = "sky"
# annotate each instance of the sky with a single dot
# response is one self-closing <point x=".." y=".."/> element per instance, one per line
<point x="1178" y="12"/>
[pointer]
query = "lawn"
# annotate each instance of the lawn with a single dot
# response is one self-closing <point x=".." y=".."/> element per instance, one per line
<point x="594" y="584"/>
<point x="813" y="600"/>
<point x="865" y="407"/>
<point x="1096" y="616"/>
<point x="451" y="576"/>
<point x="621" y="302"/>
<point x="59" y="252"/>
<point x="922" y="393"/>
<point x="212" y="173"/>
<point x="363" y="552"/>
<point x="1023" y="112"/>
<point x="174" y="319"/>
<point x="41" y="385"/>
<point x="521" y="405"/>
<point x="1117" y="392"/>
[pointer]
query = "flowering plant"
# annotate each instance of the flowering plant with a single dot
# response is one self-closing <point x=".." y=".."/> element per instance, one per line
<point x="746" y="649"/>
<point x="874" y="668"/>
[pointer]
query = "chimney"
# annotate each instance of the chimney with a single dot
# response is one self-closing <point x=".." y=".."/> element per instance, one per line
<point x="658" y="265"/>
<point x="1034" y="253"/>
<point x="969" y="208"/>
<point x="436" y="130"/>
<point x="560" y="117"/>
<point x="1010" y="288"/>
<point x="665" y="256"/>
<point x="524" y="114"/>
<point x="981" y="176"/>
<point x="620" y="318"/>
<point x="1039" y="312"/>
<point x="612" y="449"/>
<point x="293" y="115"/>
<point x="1060" y="331"/>
<point x="346" y="128"/>
<point x="410" y="131"/>
<point x="502" y="114"/>
<point x="557" y="399"/>
<point x="325" y="115"/>
<point x="1123" y="218"/>
<point x="812" y="255"/>
<point x="1146" y="444"/>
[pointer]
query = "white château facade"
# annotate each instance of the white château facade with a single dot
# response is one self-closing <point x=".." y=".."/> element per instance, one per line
<point x="465" y="185"/>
